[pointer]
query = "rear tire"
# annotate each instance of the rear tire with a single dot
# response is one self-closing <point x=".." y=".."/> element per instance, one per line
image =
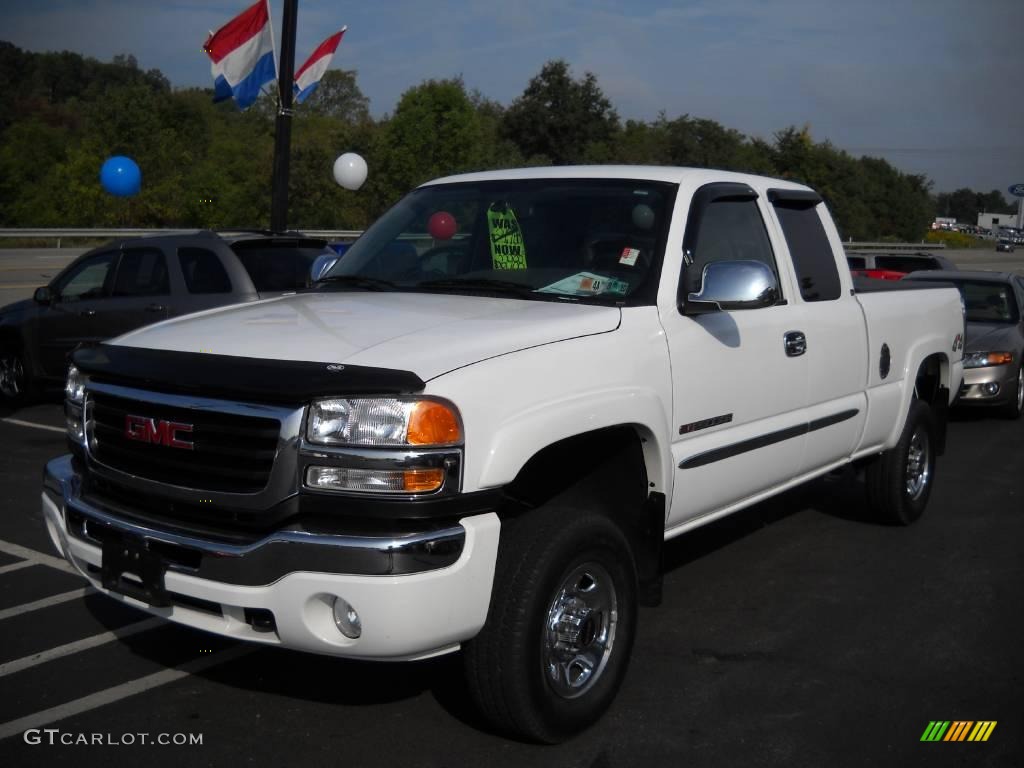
<point x="899" y="481"/>
<point x="560" y="628"/>
<point x="1012" y="409"/>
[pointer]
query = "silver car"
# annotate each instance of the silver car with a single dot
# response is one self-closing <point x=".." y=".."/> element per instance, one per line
<point x="994" y="344"/>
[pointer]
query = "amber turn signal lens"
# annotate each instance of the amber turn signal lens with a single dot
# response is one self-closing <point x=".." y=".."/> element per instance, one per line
<point x="423" y="480"/>
<point x="1000" y="358"/>
<point x="433" y="423"/>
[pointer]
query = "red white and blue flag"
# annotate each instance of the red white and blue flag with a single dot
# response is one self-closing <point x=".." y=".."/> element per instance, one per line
<point x="308" y="75"/>
<point x="242" y="53"/>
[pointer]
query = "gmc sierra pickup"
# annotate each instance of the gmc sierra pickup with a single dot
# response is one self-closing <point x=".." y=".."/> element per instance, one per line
<point x="481" y="426"/>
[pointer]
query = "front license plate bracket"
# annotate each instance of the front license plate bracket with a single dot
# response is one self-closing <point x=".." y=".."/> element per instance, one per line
<point x="131" y="568"/>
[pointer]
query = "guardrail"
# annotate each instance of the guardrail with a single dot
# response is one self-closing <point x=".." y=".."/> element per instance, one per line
<point x="92" y="232"/>
<point x="338" y="234"/>
<point x="922" y="246"/>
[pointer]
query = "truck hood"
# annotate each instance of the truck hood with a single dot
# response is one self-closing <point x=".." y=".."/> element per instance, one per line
<point x="427" y="334"/>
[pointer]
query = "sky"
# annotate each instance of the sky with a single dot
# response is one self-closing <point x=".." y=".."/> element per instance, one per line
<point x="934" y="86"/>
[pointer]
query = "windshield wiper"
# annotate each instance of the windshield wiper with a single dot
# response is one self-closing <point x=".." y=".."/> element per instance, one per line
<point x="360" y="281"/>
<point x="481" y="283"/>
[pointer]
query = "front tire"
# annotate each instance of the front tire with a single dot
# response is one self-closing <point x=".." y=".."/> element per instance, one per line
<point x="559" y="632"/>
<point x="1013" y="409"/>
<point x="15" y="378"/>
<point x="899" y="481"/>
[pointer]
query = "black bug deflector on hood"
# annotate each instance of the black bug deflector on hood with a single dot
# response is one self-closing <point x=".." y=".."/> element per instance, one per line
<point x="210" y="375"/>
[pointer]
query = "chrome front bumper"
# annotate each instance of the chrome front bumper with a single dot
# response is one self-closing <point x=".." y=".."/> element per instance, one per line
<point x="418" y="595"/>
<point x="263" y="561"/>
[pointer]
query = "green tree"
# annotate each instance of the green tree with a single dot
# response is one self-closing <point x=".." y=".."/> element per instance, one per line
<point x="435" y="131"/>
<point x="561" y="120"/>
<point x="29" y="151"/>
<point x="644" y="143"/>
<point x="496" y="148"/>
<point x="206" y="164"/>
<point x="993" y="202"/>
<point x="338" y="96"/>
<point x="963" y="205"/>
<point x="316" y="200"/>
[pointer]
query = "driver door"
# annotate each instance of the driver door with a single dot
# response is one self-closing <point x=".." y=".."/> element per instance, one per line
<point x="739" y="384"/>
<point x="74" y="316"/>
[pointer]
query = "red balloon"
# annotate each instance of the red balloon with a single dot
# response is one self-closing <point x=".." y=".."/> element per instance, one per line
<point x="442" y="226"/>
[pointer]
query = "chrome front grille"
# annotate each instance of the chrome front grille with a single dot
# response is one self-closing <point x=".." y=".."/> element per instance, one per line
<point x="231" y="452"/>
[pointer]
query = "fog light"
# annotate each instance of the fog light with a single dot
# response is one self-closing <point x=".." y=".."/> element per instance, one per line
<point x="346" y="619"/>
<point x="991" y="388"/>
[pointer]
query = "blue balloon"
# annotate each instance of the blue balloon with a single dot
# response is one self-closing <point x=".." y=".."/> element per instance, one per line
<point x="121" y="176"/>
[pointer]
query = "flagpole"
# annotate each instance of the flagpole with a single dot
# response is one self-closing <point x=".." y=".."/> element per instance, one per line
<point x="283" y="126"/>
<point x="273" y="45"/>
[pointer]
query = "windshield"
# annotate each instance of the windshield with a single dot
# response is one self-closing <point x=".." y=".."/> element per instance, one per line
<point x="988" y="302"/>
<point x="540" y="239"/>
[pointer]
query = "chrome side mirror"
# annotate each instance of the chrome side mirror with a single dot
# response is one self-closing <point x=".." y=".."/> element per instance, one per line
<point x="729" y="285"/>
<point x="321" y="264"/>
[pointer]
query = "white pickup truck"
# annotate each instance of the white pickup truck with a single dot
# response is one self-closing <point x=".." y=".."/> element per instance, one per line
<point x="480" y="428"/>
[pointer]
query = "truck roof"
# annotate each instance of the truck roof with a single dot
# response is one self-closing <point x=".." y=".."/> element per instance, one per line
<point x="671" y="174"/>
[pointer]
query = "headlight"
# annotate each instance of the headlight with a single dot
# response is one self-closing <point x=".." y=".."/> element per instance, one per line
<point x="74" y="393"/>
<point x="74" y="386"/>
<point x="984" y="359"/>
<point x="383" y="421"/>
<point x="384" y="445"/>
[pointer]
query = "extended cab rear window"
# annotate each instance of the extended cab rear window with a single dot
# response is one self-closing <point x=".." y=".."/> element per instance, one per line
<point x="813" y="259"/>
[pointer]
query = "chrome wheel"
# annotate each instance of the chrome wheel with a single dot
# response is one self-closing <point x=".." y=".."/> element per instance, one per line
<point x="919" y="469"/>
<point x="1020" y="390"/>
<point x="12" y="376"/>
<point x="580" y="630"/>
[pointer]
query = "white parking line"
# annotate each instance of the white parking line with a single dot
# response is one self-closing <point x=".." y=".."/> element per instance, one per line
<point x="79" y="645"/>
<point x="46" y="602"/>
<point x="118" y="692"/>
<point x="40" y="558"/>
<point x="16" y="566"/>
<point x="21" y="423"/>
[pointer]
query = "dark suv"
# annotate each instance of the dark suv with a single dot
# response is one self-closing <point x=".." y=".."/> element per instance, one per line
<point x="129" y="283"/>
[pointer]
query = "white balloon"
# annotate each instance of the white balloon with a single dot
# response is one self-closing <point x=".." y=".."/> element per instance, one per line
<point x="350" y="171"/>
<point x="643" y="216"/>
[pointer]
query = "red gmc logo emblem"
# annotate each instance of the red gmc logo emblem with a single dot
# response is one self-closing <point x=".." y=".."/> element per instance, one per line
<point x="162" y="432"/>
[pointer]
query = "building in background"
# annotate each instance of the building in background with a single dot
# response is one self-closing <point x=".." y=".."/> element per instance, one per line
<point x="996" y="221"/>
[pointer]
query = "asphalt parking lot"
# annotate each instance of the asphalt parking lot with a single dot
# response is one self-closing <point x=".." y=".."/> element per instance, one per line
<point x="795" y="633"/>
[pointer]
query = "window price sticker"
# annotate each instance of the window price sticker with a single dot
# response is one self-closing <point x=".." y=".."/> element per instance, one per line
<point x="629" y="256"/>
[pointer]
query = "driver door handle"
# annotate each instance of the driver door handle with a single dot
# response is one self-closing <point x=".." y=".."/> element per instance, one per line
<point x="796" y="343"/>
<point x="87" y="312"/>
<point x="155" y="308"/>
